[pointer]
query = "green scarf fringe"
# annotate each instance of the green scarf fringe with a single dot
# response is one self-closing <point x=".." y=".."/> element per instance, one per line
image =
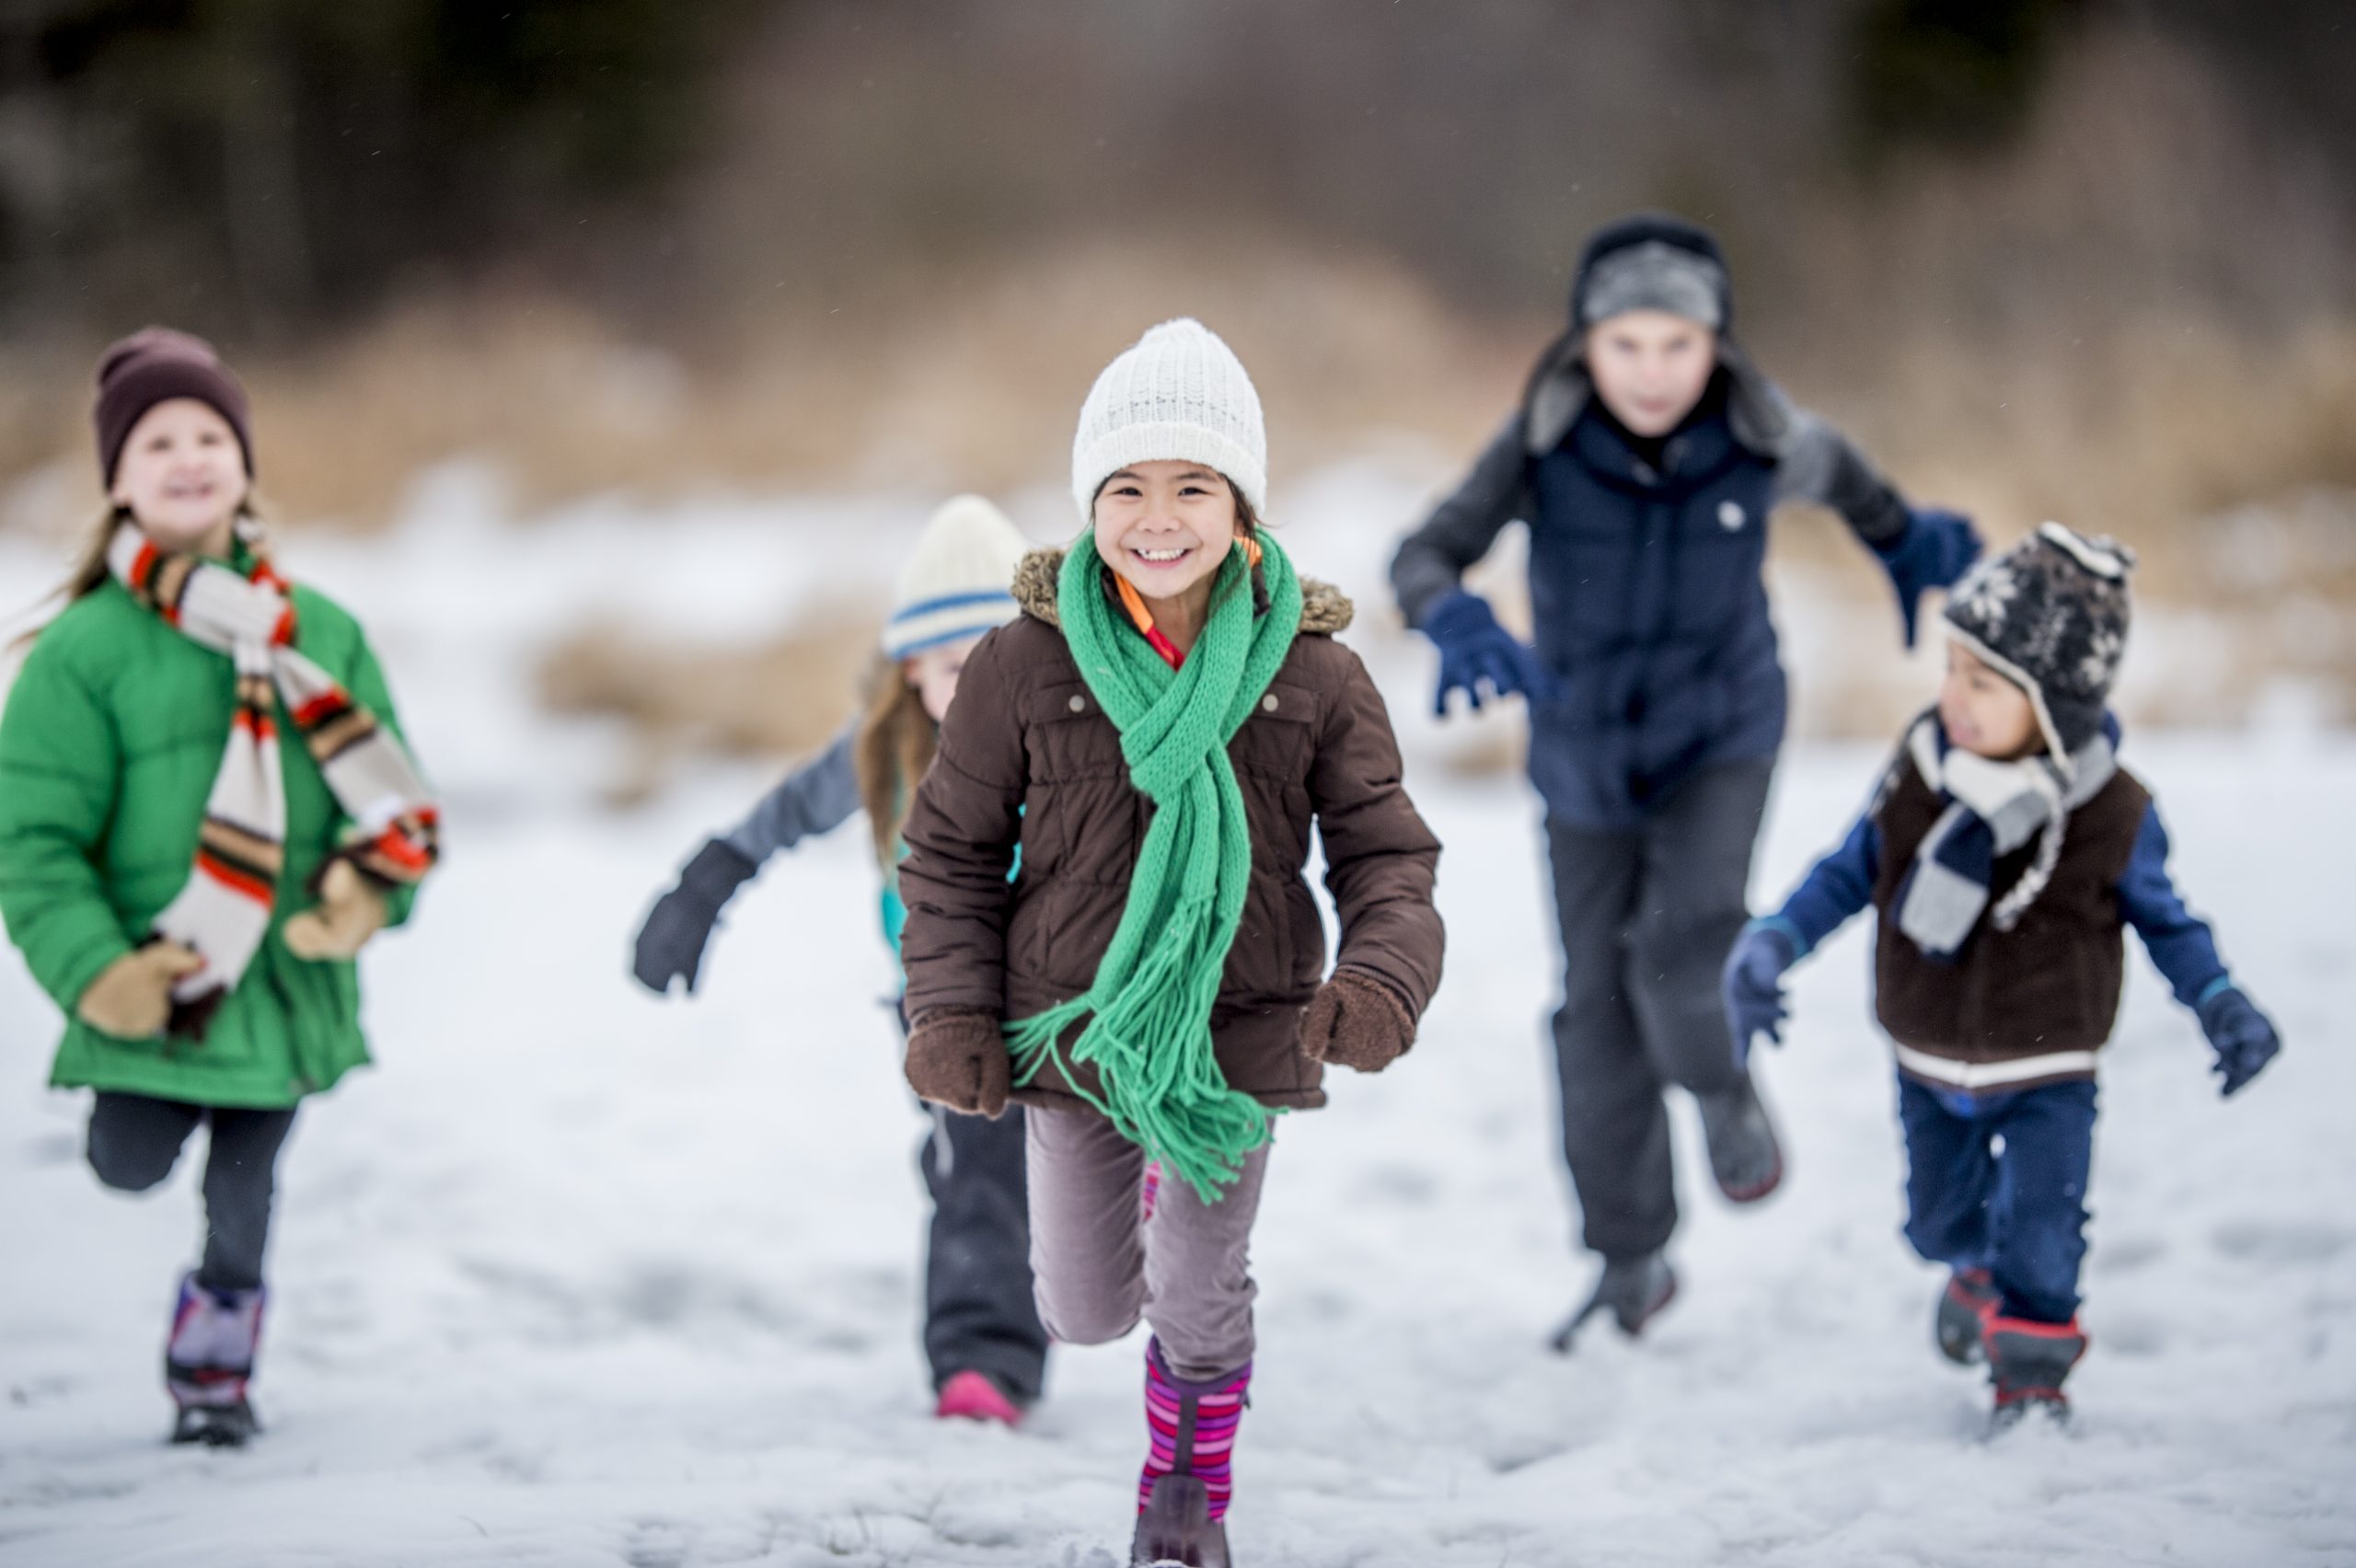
<point x="1147" y="1013"/>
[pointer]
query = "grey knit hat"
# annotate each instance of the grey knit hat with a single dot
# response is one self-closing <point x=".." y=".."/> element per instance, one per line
<point x="1653" y="261"/>
<point x="2051" y="614"/>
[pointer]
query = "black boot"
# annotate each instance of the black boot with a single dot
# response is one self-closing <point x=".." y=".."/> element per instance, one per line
<point x="1744" y="1154"/>
<point x="1960" y="1322"/>
<point x="1633" y="1290"/>
<point x="216" y="1427"/>
<point x="2028" y="1362"/>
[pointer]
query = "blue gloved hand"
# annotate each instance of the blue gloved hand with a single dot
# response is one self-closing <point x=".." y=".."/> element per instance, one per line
<point x="1754" y="984"/>
<point x="1936" y="548"/>
<point x="1475" y="650"/>
<point x="2242" y="1037"/>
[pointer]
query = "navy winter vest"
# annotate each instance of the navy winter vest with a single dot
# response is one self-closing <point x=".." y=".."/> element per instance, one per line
<point x="1650" y="610"/>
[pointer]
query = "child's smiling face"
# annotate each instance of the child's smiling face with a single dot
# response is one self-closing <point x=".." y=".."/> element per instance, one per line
<point x="182" y="475"/>
<point x="1650" y="367"/>
<point x="1982" y="710"/>
<point x="1165" y="526"/>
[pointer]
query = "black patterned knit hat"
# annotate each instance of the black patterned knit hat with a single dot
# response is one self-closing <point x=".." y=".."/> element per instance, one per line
<point x="2051" y="614"/>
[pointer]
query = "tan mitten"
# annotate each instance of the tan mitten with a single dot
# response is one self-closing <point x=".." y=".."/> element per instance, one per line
<point x="131" y="997"/>
<point x="348" y="912"/>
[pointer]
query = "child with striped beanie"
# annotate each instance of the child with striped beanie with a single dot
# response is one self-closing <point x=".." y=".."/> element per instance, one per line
<point x="982" y="1334"/>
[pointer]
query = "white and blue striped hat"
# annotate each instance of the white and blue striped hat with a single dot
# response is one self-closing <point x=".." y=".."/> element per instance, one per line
<point x="957" y="584"/>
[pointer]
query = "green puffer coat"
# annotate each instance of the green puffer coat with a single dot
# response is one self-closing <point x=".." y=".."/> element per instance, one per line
<point x="108" y="745"/>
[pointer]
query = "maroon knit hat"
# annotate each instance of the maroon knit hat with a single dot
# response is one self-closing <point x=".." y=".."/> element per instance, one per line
<point x="155" y="365"/>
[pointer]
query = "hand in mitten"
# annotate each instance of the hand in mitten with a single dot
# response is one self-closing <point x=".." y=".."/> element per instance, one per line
<point x="1752" y="986"/>
<point x="1475" y="651"/>
<point x="1356" y="1021"/>
<point x="2242" y="1036"/>
<point x="957" y="1058"/>
<point x="1936" y="548"/>
<point x="131" y="997"/>
<point x="671" y="943"/>
<point x="348" y="912"/>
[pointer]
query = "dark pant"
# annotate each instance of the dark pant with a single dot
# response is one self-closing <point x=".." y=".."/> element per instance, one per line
<point x="136" y="1140"/>
<point x="2018" y="1211"/>
<point x="979" y="1313"/>
<point x="1647" y="916"/>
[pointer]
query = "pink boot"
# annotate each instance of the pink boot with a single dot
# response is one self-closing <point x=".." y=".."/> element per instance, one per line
<point x="210" y="1359"/>
<point x="972" y="1396"/>
<point x="1182" y="1493"/>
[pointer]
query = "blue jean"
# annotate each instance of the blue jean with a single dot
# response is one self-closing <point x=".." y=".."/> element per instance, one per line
<point x="2017" y="1210"/>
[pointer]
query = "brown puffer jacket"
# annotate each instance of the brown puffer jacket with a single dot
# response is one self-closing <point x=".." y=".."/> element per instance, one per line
<point x="1028" y="755"/>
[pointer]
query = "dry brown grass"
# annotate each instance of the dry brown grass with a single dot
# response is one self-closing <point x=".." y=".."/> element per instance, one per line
<point x="781" y="698"/>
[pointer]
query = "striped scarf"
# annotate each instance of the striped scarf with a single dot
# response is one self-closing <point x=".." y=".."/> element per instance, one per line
<point x="1992" y="809"/>
<point x="224" y="910"/>
<point x="1148" y="1012"/>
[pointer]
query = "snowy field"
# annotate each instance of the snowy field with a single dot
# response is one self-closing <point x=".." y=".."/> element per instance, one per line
<point x="575" y="1277"/>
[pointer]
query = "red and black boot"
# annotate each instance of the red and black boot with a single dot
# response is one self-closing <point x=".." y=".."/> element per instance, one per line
<point x="1184" y="1489"/>
<point x="2028" y="1361"/>
<point x="1961" y="1321"/>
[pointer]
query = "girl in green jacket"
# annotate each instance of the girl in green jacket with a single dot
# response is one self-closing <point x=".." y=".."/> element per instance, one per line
<point x="206" y="809"/>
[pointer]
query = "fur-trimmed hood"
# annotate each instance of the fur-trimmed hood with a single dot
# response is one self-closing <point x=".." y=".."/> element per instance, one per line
<point x="1325" y="609"/>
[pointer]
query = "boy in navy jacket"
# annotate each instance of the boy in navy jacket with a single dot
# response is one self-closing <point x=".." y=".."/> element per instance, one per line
<point x="1644" y="458"/>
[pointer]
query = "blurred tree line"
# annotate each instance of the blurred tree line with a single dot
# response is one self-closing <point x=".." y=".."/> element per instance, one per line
<point x="268" y="163"/>
<point x="265" y="167"/>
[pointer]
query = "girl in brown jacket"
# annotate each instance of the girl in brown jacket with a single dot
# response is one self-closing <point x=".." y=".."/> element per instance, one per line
<point x="1157" y="733"/>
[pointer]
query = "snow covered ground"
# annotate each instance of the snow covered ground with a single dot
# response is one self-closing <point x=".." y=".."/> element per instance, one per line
<point x="576" y="1276"/>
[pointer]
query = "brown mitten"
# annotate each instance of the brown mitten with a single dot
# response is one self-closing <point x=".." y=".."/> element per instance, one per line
<point x="1355" y="1020"/>
<point x="348" y="912"/>
<point x="131" y="997"/>
<point x="957" y="1058"/>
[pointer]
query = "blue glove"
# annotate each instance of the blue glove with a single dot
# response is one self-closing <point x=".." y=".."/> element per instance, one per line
<point x="2242" y="1036"/>
<point x="1475" y="650"/>
<point x="1754" y="984"/>
<point x="1936" y="548"/>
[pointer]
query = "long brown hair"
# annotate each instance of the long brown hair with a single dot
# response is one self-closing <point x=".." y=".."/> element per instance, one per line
<point x="895" y="744"/>
<point x="90" y="567"/>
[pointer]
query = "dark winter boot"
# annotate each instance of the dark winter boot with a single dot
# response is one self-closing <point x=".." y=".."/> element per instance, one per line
<point x="1961" y="1321"/>
<point x="1744" y="1154"/>
<point x="1633" y="1290"/>
<point x="2028" y="1361"/>
<point x="209" y="1360"/>
<point x="1184" y="1489"/>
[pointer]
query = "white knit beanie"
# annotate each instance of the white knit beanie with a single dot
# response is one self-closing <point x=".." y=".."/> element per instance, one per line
<point x="957" y="582"/>
<point x="1179" y="395"/>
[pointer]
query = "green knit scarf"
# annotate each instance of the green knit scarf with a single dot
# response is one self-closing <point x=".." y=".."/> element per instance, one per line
<point x="1148" y="1011"/>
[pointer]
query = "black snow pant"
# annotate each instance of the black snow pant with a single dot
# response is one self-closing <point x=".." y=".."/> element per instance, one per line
<point x="1647" y="917"/>
<point x="979" y="1311"/>
<point x="136" y="1140"/>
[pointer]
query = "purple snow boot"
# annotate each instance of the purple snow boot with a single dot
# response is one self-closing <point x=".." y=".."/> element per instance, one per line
<point x="1184" y="1489"/>
<point x="210" y="1359"/>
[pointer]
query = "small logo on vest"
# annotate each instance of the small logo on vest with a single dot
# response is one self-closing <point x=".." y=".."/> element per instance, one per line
<point x="1730" y="516"/>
